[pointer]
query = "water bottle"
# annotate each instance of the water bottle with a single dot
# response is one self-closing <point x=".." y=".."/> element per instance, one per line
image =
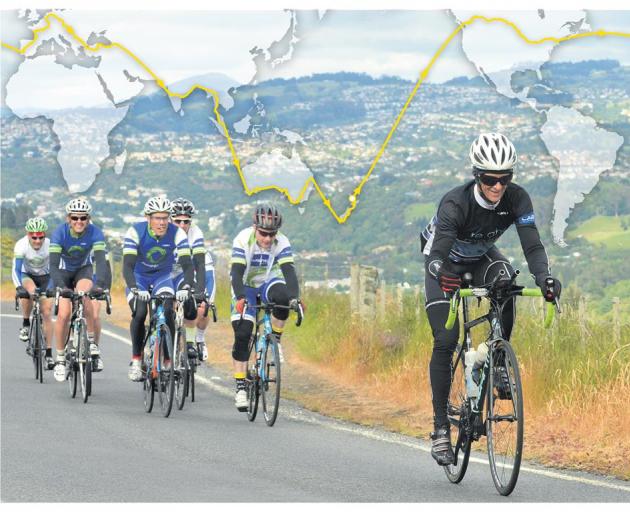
<point x="471" y="388"/>
<point x="482" y="354"/>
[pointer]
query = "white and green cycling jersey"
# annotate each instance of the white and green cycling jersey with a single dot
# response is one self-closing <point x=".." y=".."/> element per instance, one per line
<point x="196" y="243"/>
<point x="27" y="260"/>
<point x="261" y="265"/>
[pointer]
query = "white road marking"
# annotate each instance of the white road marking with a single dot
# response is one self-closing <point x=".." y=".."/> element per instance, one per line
<point x="373" y="434"/>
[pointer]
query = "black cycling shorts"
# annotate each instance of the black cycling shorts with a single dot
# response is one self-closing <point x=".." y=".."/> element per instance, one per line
<point x="41" y="282"/>
<point x="70" y="278"/>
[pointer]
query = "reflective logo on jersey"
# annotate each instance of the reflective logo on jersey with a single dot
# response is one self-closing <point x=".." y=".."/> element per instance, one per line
<point x="37" y="261"/>
<point x="76" y="251"/>
<point x="528" y="218"/>
<point x="156" y="255"/>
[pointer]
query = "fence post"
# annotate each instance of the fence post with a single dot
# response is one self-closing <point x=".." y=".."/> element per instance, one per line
<point x="382" y="299"/>
<point x="582" y="309"/>
<point x="416" y="294"/>
<point x="354" y="288"/>
<point x="616" y="321"/>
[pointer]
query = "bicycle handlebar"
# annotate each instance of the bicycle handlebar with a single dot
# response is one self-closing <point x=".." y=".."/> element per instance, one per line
<point x="268" y="306"/>
<point x="483" y="292"/>
<point x="72" y="295"/>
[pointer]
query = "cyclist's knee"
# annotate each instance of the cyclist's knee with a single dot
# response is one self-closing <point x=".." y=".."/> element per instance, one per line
<point x="190" y="311"/>
<point x="444" y="339"/>
<point x="242" y="333"/>
<point x="280" y="295"/>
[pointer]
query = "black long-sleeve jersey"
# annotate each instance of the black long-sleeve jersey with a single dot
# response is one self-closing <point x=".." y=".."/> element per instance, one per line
<point x="466" y="226"/>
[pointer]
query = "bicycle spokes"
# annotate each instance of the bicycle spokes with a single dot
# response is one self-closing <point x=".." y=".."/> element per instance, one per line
<point x="505" y="419"/>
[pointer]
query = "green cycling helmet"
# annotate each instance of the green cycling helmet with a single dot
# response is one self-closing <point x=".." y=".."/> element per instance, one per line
<point x="35" y="225"/>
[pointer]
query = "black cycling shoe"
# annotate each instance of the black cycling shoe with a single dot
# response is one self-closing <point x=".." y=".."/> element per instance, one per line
<point x="192" y="351"/>
<point x="441" y="449"/>
<point x="502" y="383"/>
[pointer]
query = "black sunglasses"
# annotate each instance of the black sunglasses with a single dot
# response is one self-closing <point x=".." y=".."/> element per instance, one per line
<point x="491" y="181"/>
<point x="37" y="237"/>
<point x="182" y="221"/>
<point x="76" y="218"/>
<point x="267" y="234"/>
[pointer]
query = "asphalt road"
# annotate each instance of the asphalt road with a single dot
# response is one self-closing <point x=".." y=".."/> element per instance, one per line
<point x="57" y="449"/>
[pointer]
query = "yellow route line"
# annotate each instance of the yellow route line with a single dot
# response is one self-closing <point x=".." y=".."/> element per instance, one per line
<point x="311" y="181"/>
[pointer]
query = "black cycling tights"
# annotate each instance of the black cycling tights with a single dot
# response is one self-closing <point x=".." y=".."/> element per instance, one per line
<point x="137" y="327"/>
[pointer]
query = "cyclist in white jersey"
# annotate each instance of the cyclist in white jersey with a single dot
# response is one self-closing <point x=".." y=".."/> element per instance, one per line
<point x="262" y="263"/>
<point x="30" y="270"/>
<point x="182" y="211"/>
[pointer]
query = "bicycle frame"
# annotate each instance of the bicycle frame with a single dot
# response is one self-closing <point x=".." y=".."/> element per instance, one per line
<point x="157" y="321"/>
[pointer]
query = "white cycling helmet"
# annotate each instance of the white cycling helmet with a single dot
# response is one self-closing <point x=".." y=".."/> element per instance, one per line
<point x="78" y="205"/>
<point x="492" y="152"/>
<point x="157" y="204"/>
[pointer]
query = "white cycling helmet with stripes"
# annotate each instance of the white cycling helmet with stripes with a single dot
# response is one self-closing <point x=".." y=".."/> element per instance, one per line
<point x="78" y="205"/>
<point x="157" y="204"/>
<point x="492" y="152"/>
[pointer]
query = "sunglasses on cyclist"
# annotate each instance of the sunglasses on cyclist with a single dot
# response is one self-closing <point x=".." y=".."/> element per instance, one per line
<point x="491" y="181"/>
<point x="182" y="221"/>
<point x="267" y="234"/>
<point x="76" y="218"/>
<point x="37" y="237"/>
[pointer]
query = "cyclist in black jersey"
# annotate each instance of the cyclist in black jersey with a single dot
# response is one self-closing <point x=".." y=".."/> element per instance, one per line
<point x="460" y="238"/>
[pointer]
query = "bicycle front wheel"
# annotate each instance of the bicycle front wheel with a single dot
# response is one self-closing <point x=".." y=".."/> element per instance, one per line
<point x="191" y="380"/>
<point x="35" y="347"/>
<point x="71" y="364"/>
<point x="458" y="413"/>
<point x="183" y="369"/>
<point x="166" y="374"/>
<point x="85" y="363"/>
<point x="148" y="390"/>
<point x="40" y="343"/>
<point x="505" y="421"/>
<point x="270" y="381"/>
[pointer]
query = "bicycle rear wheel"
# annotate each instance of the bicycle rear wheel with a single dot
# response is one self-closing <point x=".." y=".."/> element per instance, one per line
<point x="166" y="374"/>
<point x="183" y="369"/>
<point x="505" y="420"/>
<point x="270" y="381"/>
<point x="458" y="413"/>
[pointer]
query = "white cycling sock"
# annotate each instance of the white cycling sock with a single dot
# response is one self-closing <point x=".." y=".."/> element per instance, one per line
<point x="200" y="337"/>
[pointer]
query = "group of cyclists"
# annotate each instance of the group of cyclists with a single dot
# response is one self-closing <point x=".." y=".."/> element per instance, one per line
<point x="163" y="255"/>
<point x="166" y="254"/>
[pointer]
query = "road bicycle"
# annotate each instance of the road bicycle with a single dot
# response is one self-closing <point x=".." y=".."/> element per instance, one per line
<point x="77" y="346"/>
<point x="159" y="352"/>
<point x="264" y="375"/>
<point x="488" y="400"/>
<point x="36" y="345"/>
<point x="187" y="366"/>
